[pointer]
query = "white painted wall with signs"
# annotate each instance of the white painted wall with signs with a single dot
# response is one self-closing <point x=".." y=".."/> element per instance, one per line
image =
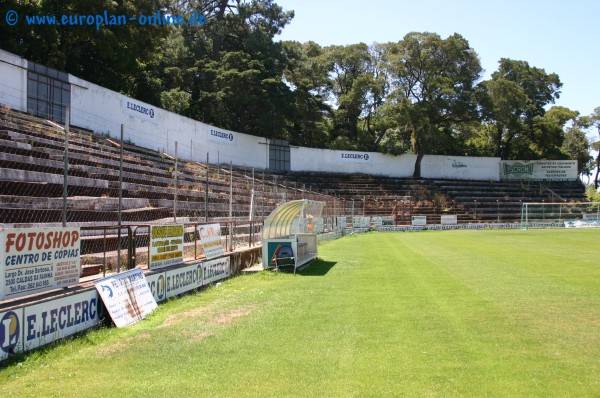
<point x="103" y="111"/>
<point x="332" y="161"/>
<point x="460" y="167"/>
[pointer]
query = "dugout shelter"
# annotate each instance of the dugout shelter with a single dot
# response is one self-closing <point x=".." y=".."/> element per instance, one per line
<point x="289" y="234"/>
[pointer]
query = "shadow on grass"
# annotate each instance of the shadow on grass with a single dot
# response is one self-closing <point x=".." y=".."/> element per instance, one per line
<point x="317" y="268"/>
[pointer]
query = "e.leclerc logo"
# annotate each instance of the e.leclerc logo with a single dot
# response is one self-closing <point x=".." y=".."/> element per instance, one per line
<point x="222" y="135"/>
<point x="355" y="156"/>
<point x="9" y="331"/>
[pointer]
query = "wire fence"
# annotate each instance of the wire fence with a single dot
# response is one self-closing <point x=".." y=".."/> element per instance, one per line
<point x="54" y="175"/>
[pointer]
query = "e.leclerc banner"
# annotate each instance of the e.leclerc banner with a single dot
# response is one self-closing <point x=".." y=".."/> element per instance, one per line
<point x="126" y="296"/>
<point x="36" y="260"/>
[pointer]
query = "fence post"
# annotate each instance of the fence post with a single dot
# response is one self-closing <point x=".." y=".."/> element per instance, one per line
<point x="66" y="168"/>
<point x="120" y="200"/>
<point x="230" y="189"/>
<point x="176" y="187"/>
<point x="252" y="197"/>
<point x="206" y="192"/>
<point x="130" y="250"/>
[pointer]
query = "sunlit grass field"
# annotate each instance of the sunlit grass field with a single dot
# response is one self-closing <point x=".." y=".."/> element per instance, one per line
<point x="456" y="313"/>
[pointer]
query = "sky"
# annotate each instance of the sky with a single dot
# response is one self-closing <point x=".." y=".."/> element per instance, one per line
<point x="561" y="37"/>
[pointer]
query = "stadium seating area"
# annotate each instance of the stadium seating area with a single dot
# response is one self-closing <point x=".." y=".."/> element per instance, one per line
<point x="31" y="186"/>
<point x="471" y="201"/>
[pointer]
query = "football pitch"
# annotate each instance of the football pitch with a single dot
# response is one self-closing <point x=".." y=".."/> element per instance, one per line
<point x="452" y="313"/>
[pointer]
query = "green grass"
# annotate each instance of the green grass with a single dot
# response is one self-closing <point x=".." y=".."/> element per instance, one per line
<point x="457" y="313"/>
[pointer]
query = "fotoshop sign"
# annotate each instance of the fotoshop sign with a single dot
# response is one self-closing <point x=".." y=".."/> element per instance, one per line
<point x="36" y="260"/>
<point x="539" y="170"/>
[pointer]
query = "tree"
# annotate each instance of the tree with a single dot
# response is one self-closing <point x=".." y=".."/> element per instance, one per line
<point x="116" y="57"/>
<point x="434" y="81"/>
<point x="349" y="73"/>
<point x="576" y="144"/>
<point x="307" y="76"/>
<point x="514" y="102"/>
<point x="236" y="80"/>
<point x="595" y="121"/>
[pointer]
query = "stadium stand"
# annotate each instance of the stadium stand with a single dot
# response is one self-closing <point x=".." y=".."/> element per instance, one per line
<point x="32" y="167"/>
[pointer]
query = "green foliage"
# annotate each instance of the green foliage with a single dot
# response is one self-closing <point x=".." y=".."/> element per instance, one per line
<point x="117" y="57"/>
<point x="592" y="194"/>
<point x="434" y="91"/>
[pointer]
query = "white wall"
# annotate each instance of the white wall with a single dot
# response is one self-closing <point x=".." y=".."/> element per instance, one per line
<point x="447" y="167"/>
<point x="103" y="111"/>
<point x="13" y="86"/>
<point x="460" y="167"/>
<point x="333" y="161"/>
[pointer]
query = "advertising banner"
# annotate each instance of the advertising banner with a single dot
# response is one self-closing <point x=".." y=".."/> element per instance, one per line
<point x="181" y="280"/>
<point x="166" y="245"/>
<point x="341" y="222"/>
<point x="419" y="220"/>
<point x="10" y="333"/>
<point x="582" y="224"/>
<point x="354" y="157"/>
<point x="139" y="110"/>
<point x="158" y="286"/>
<point x="221" y="137"/>
<point x="126" y="296"/>
<point x="449" y="219"/>
<point x="387" y="220"/>
<point x="210" y="237"/>
<point x="215" y="270"/>
<point x="378" y="221"/>
<point x="52" y="320"/>
<point x="36" y="260"/>
<point x="539" y="170"/>
<point x="361" y="222"/>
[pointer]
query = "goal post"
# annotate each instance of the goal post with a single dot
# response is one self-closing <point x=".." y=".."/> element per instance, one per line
<point x="561" y="214"/>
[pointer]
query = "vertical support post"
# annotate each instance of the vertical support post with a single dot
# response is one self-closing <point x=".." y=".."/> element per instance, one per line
<point x="264" y="197"/>
<point x="498" y="210"/>
<point x="120" y="221"/>
<point x="195" y="241"/>
<point x="66" y="168"/>
<point x="230" y="189"/>
<point x="252" y="198"/>
<point x="104" y="253"/>
<point x="206" y="191"/>
<point x="176" y="187"/>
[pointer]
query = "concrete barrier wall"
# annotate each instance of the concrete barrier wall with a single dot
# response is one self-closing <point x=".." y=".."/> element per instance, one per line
<point x="460" y="168"/>
<point x="334" y="161"/>
<point x="103" y="111"/>
<point x="13" y="84"/>
<point x="432" y="166"/>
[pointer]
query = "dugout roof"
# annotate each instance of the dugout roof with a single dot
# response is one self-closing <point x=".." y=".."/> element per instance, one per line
<point x="280" y="221"/>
